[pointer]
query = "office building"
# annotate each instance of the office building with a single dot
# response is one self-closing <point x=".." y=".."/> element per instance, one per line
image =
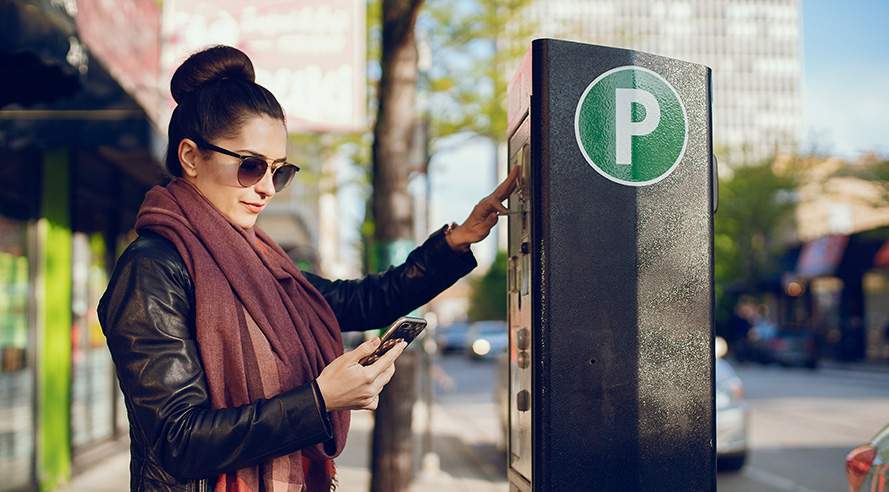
<point x="753" y="48"/>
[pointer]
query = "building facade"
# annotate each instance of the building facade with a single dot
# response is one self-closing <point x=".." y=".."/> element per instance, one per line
<point x="842" y="222"/>
<point x="752" y="46"/>
<point x="77" y="158"/>
<point x="80" y="145"/>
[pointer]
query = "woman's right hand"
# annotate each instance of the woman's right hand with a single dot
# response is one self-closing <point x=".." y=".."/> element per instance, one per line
<point x="347" y="385"/>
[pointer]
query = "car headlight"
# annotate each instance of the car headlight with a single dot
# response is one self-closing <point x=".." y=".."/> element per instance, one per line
<point x="481" y="347"/>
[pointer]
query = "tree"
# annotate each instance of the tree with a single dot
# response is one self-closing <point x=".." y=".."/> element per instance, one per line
<point x="479" y="107"/>
<point x="476" y="47"/>
<point x="871" y="168"/>
<point x="395" y="123"/>
<point x="488" y="298"/>
<point x="392" y="456"/>
<point x="754" y="204"/>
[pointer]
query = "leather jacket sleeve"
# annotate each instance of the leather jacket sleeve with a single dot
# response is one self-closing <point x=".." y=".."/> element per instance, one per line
<point x="379" y="299"/>
<point x="147" y="315"/>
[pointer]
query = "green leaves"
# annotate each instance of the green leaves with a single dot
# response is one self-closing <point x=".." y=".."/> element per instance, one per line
<point x="476" y="46"/>
<point x="488" y="298"/>
<point x="756" y="203"/>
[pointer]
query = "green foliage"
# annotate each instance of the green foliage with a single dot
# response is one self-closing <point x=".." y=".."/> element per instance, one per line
<point x="476" y="46"/>
<point x="872" y="169"/>
<point x="754" y="204"/>
<point x="488" y="298"/>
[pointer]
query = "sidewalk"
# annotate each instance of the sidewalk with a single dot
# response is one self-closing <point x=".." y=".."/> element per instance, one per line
<point x="465" y="444"/>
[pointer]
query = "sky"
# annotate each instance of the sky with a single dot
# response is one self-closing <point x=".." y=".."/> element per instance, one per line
<point x="846" y="77"/>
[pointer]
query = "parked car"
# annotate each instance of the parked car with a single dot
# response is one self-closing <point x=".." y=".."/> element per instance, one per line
<point x="732" y="418"/>
<point x="452" y="338"/>
<point x="867" y="466"/>
<point x="486" y="339"/>
<point x="793" y="348"/>
<point x="784" y="346"/>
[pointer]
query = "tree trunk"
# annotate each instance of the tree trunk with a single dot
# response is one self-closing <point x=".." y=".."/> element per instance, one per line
<point x="392" y="453"/>
<point x="395" y="123"/>
<point x="392" y="449"/>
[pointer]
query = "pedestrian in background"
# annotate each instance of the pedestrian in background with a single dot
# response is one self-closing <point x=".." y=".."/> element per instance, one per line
<point x="230" y="359"/>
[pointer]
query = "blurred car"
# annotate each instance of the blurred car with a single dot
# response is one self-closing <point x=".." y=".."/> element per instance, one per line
<point x="486" y="339"/>
<point x="732" y="418"/>
<point x="452" y="338"/>
<point x="755" y="346"/>
<point x="785" y="346"/>
<point x="793" y="348"/>
<point x="867" y="466"/>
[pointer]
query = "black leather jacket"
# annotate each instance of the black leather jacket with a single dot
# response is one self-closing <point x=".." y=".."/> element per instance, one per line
<point x="177" y="442"/>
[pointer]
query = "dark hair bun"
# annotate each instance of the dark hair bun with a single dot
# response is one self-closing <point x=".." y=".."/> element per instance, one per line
<point x="212" y="64"/>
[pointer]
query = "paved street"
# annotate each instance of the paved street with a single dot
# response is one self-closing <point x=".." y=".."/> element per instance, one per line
<point x="803" y="424"/>
<point x="470" y="404"/>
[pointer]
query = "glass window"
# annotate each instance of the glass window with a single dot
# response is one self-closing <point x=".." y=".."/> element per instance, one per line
<point x="16" y="377"/>
<point x="92" y="376"/>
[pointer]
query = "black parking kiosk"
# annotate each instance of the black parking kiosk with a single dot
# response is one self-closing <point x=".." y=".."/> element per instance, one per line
<point x="610" y="272"/>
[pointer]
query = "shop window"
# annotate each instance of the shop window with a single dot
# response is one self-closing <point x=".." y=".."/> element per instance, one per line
<point x="876" y="301"/>
<point x="93" y="382"/>
<point x="16" y="374"/>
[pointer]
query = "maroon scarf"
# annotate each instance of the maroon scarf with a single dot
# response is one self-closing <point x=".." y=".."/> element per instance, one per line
<point x="262" y="329"/>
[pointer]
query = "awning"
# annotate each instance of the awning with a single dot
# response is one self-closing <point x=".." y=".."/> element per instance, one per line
<point x="41" y="59"/>
<point x="821" y="257"/>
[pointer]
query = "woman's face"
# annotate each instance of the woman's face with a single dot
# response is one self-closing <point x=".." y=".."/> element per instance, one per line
<point x="216" y="175"/>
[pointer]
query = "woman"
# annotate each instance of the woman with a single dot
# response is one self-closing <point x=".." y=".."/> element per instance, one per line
<point x="230" y="359"/>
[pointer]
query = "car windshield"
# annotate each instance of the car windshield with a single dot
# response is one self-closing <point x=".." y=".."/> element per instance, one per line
<point x="723" y="370"/>
<point x="492" y="327"/>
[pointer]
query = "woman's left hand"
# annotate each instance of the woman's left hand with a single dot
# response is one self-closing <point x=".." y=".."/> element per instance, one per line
<point x="483" y="217"/>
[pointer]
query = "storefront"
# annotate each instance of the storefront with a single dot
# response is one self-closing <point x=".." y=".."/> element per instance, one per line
<point x="843" y="287"/>
<point x="104" y="201"/>
<point x="64" y="217"/>
<point x="77" y="159"/>
<point x="17" y="334"/>
<point x="79" y="143"/>
<point x="876" y="290"/>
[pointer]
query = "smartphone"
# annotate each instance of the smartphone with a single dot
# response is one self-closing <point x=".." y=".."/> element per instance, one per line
<point x="405" y="328"/>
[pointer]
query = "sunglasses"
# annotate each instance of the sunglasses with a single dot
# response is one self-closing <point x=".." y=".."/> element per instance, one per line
<point x="253" y="168"/>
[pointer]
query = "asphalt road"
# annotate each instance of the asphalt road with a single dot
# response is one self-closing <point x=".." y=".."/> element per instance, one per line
<point x="803" y="422"/>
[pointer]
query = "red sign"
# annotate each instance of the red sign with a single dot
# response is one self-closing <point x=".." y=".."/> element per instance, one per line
<point x="821" y="257"/>
<point x="309" y="53"/>
<point x="125" y="37"/>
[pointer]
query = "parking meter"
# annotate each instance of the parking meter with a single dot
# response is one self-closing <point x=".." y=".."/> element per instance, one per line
<point x="610" y="282"/>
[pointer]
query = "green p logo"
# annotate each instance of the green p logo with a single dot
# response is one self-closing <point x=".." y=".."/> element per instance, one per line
<point x="631" y="126"/>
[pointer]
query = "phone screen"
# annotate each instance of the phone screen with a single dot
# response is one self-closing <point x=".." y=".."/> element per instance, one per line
<point x="406" y="328"/>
